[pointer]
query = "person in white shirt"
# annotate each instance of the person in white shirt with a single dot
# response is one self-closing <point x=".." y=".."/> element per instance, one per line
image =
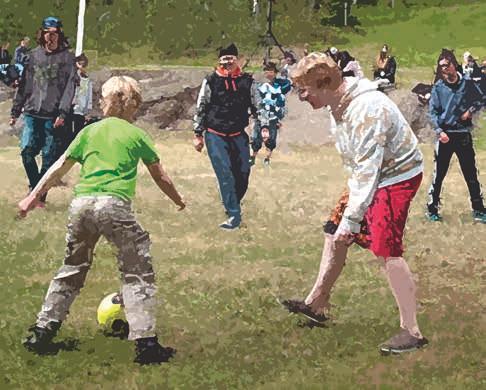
<point x="381" y="153"/>
<point x="83" y="97"/>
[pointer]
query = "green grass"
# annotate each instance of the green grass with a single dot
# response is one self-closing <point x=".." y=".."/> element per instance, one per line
<point x="415" y="35"/>
<point x="217" y="289"/>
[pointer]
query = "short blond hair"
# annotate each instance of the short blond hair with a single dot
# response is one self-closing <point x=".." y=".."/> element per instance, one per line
<point x="121" y="94"/>
<point x="317" y="69"/>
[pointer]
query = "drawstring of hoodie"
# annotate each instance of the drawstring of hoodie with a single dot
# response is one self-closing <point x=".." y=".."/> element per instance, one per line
<point x="233" y="84"/>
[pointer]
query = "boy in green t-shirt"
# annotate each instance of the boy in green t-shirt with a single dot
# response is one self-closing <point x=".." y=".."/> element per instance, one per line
<point x="109" y="152"/>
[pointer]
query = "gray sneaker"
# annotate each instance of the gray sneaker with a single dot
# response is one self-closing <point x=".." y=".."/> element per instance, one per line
<point x="402" y="342"/>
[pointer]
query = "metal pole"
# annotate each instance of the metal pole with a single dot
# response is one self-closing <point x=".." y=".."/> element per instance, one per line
<point x="269" y="15"/>
<point x="79" y="36"/>
<point x="345" y="13"/>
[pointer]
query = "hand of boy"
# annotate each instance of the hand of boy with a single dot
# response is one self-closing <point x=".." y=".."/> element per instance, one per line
<point x="26" y="204"/>
<point x="181" y="204"/>
<point x="59" y="122"/>
<point x="198" y="142"/>
<point x="265" y="134"/>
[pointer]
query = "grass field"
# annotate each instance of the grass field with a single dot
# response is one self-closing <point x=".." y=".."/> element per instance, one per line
<point x="218" y="289"/>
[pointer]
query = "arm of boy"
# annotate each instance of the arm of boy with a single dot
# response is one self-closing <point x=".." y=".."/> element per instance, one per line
<point x="368" y="159"/>
<point x="51" y="177"/>
<point x="163" y="181"/>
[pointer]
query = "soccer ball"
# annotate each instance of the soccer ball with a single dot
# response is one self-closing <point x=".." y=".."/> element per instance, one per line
<point x="111" y="316"/>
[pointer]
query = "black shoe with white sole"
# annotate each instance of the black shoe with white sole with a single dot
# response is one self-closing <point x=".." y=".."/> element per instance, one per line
<point x="300" y="307"/>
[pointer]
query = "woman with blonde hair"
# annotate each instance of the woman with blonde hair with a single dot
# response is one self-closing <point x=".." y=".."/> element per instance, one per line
<point x="109" y="152"/>
<point x="381" y="154"/>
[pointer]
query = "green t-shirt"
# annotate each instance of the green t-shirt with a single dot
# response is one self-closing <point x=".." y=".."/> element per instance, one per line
<point x="109" y="152"/>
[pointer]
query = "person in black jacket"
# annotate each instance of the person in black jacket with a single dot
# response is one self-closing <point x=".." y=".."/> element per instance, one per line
<point x="45" y="94"/>
<point x="223" y="108"/>
<point x="386" y="66"/>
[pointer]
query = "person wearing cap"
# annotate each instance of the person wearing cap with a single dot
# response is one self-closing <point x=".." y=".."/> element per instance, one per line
<point x="385" y="66"/>
<point x="44" y="96"/>
<point x="21" y="51"/>
<point x="271" y="110"/>
<point x="452" y="104"/>
<point x="226" y="98"/>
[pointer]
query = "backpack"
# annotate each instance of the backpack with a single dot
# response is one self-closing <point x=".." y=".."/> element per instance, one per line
<point x="10" y="74"/>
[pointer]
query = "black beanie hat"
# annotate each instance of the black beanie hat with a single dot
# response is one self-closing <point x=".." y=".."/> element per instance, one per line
<point x="231" y="50"/>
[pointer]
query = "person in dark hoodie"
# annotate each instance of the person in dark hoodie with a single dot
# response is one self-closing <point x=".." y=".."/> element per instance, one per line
<point x="45" y="94"/>
<point x="223" y="108"/>
<point x="452" y="104"/>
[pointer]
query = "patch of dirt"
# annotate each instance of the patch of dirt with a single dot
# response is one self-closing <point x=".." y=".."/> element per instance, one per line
<point x="169" y="101"/>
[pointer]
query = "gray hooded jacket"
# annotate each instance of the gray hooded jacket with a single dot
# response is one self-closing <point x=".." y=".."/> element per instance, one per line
<point x="47" y="85"/>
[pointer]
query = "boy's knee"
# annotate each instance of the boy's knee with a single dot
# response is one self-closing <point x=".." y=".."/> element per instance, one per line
<point x="72" y="275"/>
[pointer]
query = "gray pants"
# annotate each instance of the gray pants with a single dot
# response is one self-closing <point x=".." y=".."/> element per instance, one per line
<point x="89" y="218"/>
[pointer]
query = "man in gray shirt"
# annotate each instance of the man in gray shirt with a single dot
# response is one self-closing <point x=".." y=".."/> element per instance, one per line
<point x="45" y="95"/>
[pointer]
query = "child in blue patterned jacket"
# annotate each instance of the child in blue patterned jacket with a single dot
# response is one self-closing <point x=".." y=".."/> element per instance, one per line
<point x="271" y="111"/>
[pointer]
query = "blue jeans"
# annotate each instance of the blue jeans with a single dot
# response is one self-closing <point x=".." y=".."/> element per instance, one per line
<point x="256" y="137"/>
<point x="230" y="159"/>
<point x="38" y="136"/>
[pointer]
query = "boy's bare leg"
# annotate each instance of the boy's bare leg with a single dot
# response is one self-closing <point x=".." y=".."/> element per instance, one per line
<point x="332" y="263"/>
<point x="401" y="282"/>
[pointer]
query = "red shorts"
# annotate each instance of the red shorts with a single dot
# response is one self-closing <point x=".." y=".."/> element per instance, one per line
<point x="387" y="214"/>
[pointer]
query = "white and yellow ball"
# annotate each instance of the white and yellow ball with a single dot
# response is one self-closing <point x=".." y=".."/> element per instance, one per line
<point x="110" y="310"/>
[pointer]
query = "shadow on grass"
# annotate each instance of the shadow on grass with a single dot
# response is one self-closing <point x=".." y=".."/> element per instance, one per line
<point x="69" y="345"/>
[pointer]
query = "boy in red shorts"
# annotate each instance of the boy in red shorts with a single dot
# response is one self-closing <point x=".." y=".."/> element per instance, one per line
<point x="381" y="152"/>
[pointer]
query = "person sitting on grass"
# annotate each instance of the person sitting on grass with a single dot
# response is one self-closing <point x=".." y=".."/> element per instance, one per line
<point x="272" y="111"/>
<point x="109" y="152"/>
<point x="381" y="152"/>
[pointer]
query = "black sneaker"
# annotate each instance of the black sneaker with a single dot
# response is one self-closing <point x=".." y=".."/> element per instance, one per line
<point x="299" y="307"/>
<point x="149" y="351"/>
<point x="40" y="339"/>
<point x="402" y="342"/>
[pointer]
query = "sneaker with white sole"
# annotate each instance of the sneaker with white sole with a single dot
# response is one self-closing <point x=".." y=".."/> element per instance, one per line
<point x="479" y="216"/>
<point x="300" y="307"/>
<point x="402" y="342"/>
<point x="231" y="223"/>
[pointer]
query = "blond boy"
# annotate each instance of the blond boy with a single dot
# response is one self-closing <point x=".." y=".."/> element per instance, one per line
<point x="109" y="152"/>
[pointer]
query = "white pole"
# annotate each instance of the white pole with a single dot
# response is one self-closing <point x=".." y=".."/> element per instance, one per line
<point x="79" y="36"/>
<point x="346" y="14"/>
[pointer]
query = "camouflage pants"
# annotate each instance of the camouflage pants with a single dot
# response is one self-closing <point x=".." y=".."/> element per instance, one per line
<point x="89" y="218"/>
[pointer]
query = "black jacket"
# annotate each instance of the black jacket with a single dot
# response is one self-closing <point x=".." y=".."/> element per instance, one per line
<point x="224" y="103"/>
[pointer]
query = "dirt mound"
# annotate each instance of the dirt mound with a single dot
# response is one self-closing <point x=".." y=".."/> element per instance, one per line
<point x="169" y="100"/>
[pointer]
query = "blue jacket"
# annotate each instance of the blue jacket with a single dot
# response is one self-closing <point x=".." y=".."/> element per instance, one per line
<point x="448" y="103"/>
<point x="272" y="103"/>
